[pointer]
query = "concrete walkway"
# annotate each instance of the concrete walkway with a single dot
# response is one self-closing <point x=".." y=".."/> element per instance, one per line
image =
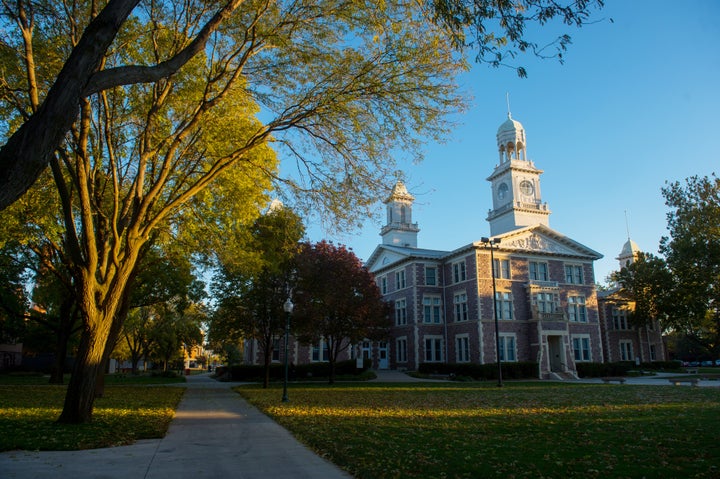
<point x="215" y="434"/>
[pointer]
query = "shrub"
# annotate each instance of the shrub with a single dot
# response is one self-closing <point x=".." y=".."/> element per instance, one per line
<point x="256" y="373"/>
<point x="597" y="370"/>
<point x="164" y="374"/>
<point x="521" y="370"/>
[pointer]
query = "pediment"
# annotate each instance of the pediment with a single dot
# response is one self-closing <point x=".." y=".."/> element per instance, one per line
<point x="382" y="258"/>
<point x="541" y="239"/>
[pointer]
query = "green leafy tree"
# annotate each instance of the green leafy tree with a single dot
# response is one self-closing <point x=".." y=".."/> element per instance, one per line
<point x="251" y="288"/>
<point x="646" y="284"/>
<point x="337" y="300"/>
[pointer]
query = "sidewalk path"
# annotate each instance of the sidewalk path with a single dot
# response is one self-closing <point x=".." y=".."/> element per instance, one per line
<point x="215" y="434"/>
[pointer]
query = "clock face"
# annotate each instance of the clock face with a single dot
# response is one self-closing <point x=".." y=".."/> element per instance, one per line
<point x="502" y="190"/>
<point x="526" y="188"/>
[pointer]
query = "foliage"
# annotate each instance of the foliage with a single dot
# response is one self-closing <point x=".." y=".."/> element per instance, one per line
<point x="521" y="430"/>
<point x="250" y="288"/>
<point x="517" y="370"/>
<point x="124" y="415"/>
<point x="496" y="30"/>
<point x="13" y="296"/>
<point x="337" y="300"/>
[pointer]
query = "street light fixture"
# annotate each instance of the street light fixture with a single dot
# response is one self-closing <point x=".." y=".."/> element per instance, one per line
<point x="489" y="243"/>
<point x="288" y="308"/>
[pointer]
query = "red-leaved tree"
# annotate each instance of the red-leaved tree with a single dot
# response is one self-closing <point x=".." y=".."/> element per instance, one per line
<point x="337" y="300"/>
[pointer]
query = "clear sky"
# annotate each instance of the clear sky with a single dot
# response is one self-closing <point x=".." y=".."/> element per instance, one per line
<point x="636" y="104"/>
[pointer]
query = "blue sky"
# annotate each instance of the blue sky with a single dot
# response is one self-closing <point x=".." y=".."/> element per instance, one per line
<point x="636" y="104"/>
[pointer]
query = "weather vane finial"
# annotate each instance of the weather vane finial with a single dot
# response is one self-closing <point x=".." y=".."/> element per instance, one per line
<point x="507" y="100"/>
<point x="627" y="225"/>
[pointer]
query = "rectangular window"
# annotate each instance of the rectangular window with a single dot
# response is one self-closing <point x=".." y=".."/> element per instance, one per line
<point x="276" y="349"/>
<point x="459" y="272"/>
<point x="508" y="351"/>
<point x="626" y="351"/>
<point x="430" y="276"/>
<point x="400" y="312"/>
<point x="545" y="302"/>
<point x="538" y="271"/>
<point x="401" y="348"/>
<point x="501" y="268"/>
<point x="433" y="349"/>
<point x="320" y="352"/>
<point x="461" y="307"/>
<point x="504" y="305"/>
<point x="573" y="274"/>
<point x="400" y="279"/>
<point x="462" y="349"/>
<point x="581" y="348"/>
<point x="653" y="354"/>
<point x="576" y="309"/>
<point x="432" y="309"/>
<point x="620" y="321"/>
<point x="383" y="285"/>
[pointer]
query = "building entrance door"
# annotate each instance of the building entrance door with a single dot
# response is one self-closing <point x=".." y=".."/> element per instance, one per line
<point x="556" y="352"/>
<point x="383" y="355"/>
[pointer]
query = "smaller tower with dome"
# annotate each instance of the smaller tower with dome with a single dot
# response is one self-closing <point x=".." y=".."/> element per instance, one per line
<point x="629" y="253"/>
<point x="399" y="229"/>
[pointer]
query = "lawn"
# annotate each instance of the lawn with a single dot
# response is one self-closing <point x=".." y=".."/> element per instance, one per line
<point x="125" y="414"/>
<point x="476" y="430"/>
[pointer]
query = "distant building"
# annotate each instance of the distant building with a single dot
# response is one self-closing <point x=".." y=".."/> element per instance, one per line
<point x="545" y="286"/>
<point x="622" y="339"/>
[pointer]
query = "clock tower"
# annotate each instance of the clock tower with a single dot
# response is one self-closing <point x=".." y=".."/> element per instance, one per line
<point x="515" y="184"/>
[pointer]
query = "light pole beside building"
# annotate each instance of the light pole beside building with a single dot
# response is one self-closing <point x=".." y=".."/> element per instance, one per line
<point x="288" y="308"/>
<point x="490" y="243"/>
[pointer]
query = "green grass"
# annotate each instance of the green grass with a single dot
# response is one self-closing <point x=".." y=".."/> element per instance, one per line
<point x="477" y="430"/>
<point x="110" y="379"/>
<point x="28" y="415"/>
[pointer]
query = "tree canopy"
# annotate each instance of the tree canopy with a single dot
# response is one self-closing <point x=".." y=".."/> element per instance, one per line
<point x="48" y="93"/>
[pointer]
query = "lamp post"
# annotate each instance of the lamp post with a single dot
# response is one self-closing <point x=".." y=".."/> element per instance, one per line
<point x="489" y="243"/>
<point x="288" y="308"/>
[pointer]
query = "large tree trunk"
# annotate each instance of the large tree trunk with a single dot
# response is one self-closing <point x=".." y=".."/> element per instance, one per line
<point x="80" y="395"/>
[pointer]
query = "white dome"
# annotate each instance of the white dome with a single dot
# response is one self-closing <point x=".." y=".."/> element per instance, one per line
<point x="510" y="126"/>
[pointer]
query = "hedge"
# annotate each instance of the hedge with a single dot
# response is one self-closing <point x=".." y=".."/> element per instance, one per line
<point x="520" y="370"/>
<point x="256" y="373"/>
<point x="621" y="368"/>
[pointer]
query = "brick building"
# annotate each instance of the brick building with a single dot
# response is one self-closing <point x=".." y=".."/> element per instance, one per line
<point x="544" y="282"/>
<point x="622" y="339"/>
